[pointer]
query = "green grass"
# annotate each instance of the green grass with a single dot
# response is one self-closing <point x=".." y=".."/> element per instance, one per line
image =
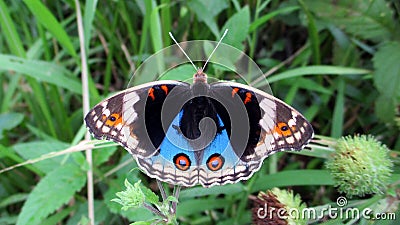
<point x="337" y="63"/>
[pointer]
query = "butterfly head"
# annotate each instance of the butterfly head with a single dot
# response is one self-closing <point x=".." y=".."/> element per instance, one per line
<point x="200" y="76"/>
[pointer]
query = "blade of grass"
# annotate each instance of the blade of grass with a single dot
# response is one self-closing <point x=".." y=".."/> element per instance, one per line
<point x="127" y="18"/>
<point x="14" y="43"/>
<point x="155" y="28"/>
<point x="253" y="40"/>
<point x="313" y="34"/>
<point x="110" y="54"/>
<point x="37" y="100"/>
<point x="10" y="33"/>
<point x="47" y="19"/>
<point x="156" y="35"/>
<point x="9" y="93"/>
<point x="63" y="131"/>
<point x="10" y="154"/>
<point x="166" y="21"/>
<point x="41" y="70"/>
<point x="82" y="146"/>
<point x="85" y="100"/>
<point x="90" y="10"/>
<point x="145" y="27"/>
<point x="60" y="114"/>
<point x="316" y="70"/>
<point x="338" y="112"/>
<point x="45" y="47"/>
<point x="265" y="18"/>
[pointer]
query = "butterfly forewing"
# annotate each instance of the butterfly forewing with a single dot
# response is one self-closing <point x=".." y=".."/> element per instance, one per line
<point x="274" y="125"/>
<point x="130" y="116"/>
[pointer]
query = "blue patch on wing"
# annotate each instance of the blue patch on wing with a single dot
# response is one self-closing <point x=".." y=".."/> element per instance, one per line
<point x="175" y="143"/>
<point x="221" y="145"/>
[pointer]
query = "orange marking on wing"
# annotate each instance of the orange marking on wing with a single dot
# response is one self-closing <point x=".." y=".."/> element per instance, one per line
<point x="151" y="93"/>
<point x="248" y="98"/>
<point x="218" y="160"/>
<point x="165" y="89"/>
<point x="182" y="162"/>
<point x="234" y="91"/>
<point x="283" y="129"/>
<point x="114" y="119"/>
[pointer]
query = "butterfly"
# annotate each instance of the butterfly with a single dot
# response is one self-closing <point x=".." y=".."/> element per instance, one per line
<point x="189" y="134"/>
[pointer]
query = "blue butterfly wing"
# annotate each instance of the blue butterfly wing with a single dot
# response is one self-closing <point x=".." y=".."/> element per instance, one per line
<point x="175" y="160"/>
<point x="219" y="162"/>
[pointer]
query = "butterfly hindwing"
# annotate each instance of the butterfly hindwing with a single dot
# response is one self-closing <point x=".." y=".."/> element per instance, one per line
<point x="188" y="159"/>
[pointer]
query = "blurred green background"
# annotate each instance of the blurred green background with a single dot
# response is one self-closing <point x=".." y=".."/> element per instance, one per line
<point x="337" y="62"/>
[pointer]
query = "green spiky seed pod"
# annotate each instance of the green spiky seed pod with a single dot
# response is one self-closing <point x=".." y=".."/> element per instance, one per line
<point x="360" y="166"/>
<point x="278" y="207"/>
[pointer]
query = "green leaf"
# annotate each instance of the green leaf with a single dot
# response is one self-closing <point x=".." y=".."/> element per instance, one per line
<point x="33" y="150"/>
<point x="131" y="197"/>
<point x="81" y="211"/>
<point x="293" y="178"/>
<point x="385" y="108"/>
<point x="228" y="189"/>
<point x="150" y="196"/>
<point x="193" y="206"/>
<point x="172" y="199"/>
<point x="41" y="70"/>
<point x="60" y="216"/>
<point x="387" y="80"/>
<point x="206" y="10"/>
<point x="46" y="18"/>
<point x="54" y="190"/>
<point x="133" y="214"/>
<point x="238" y="26"/>
<point x="8" y="121"/>
<point x="182" y="72"/>
<point x="214" y="7"/>
<point x="265" y="18"/>
<point x="387" y="74"/>
<point x="102" y="155"/>
<point x="365" y="18"/>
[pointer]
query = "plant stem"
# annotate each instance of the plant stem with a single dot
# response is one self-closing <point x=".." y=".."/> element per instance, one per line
<point x="162" y="190"/>
<point x="177" y="189"/>
<point x="154" y="210"/>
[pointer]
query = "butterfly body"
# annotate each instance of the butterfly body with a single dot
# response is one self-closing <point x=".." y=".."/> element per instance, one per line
<point x="208" y="134"/>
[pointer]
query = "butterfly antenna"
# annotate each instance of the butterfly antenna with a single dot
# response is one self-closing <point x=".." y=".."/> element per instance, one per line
<point x="170" y="34"/>
<point x="219" y="42"/>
